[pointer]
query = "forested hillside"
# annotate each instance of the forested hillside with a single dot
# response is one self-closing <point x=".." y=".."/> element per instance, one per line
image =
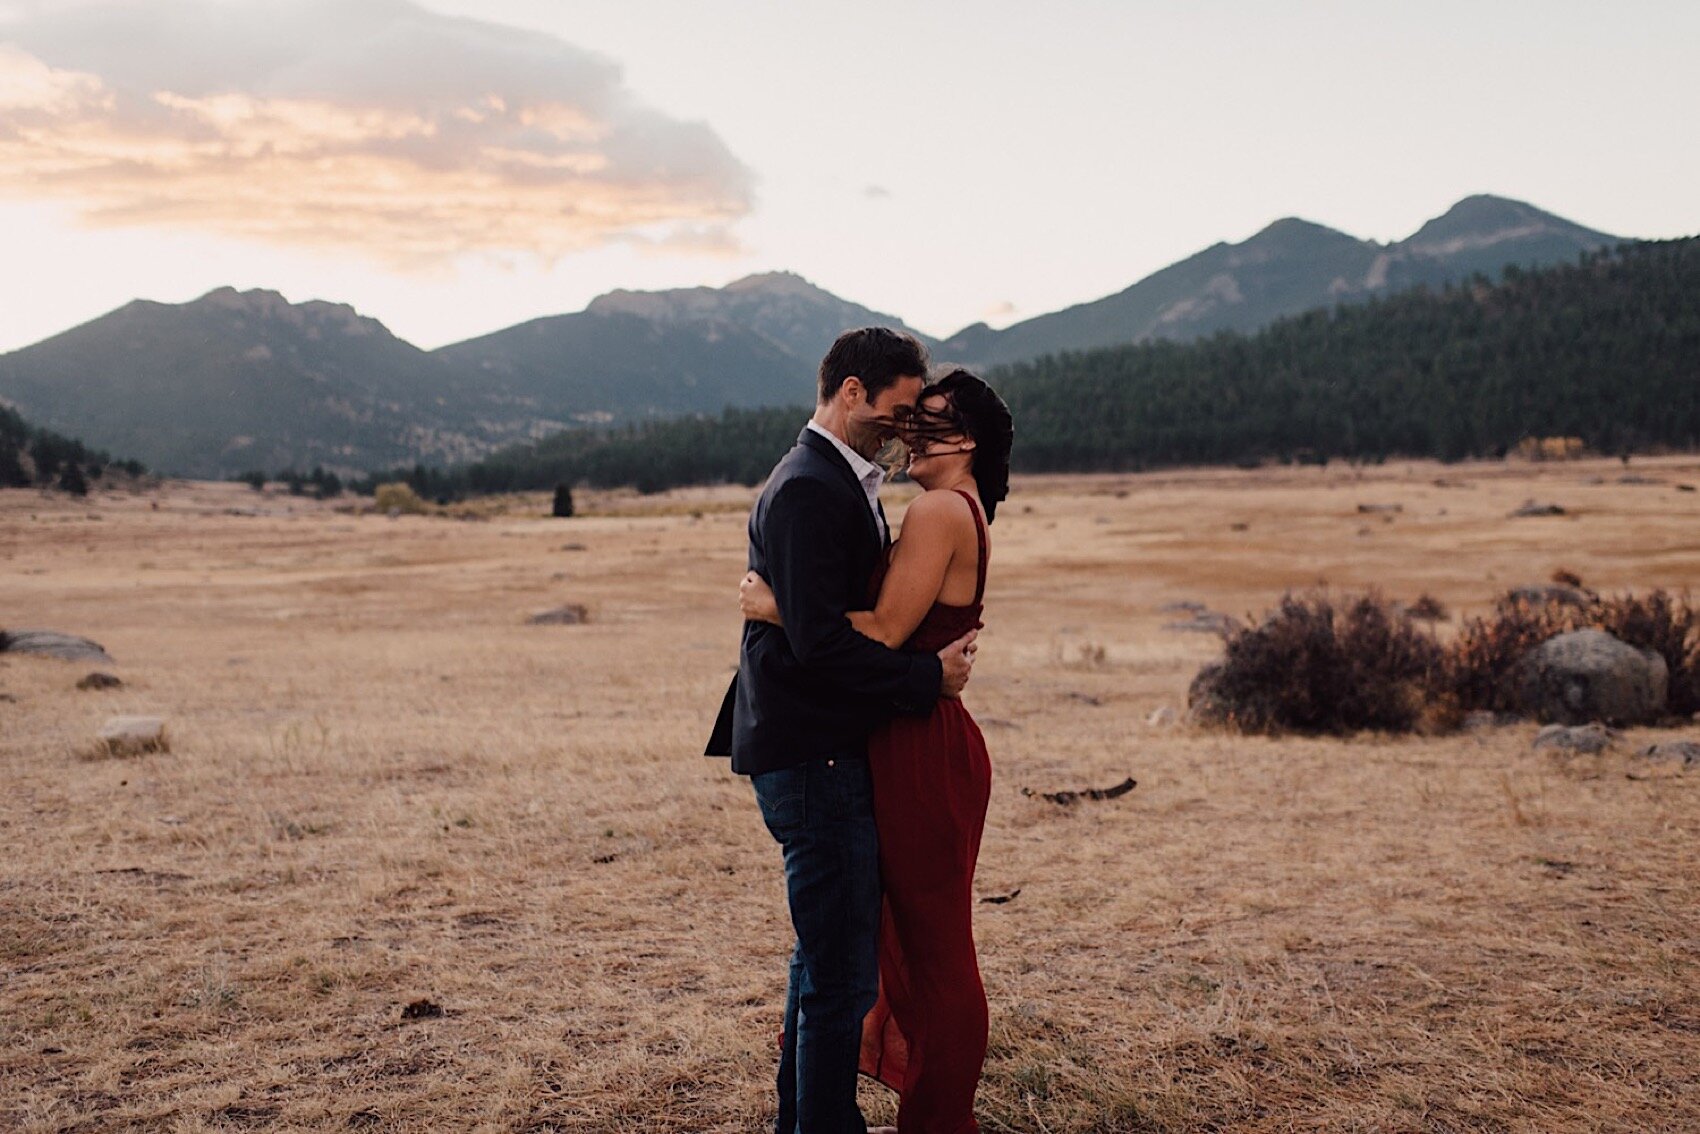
<point x="1607" y="349"/>
<point x="34" y="457"/>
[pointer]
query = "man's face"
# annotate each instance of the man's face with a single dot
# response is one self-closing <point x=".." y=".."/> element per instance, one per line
<point x="870" y="424"/>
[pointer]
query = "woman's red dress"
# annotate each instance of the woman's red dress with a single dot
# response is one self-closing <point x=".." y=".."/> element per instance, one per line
<point x="926" y="1038"/>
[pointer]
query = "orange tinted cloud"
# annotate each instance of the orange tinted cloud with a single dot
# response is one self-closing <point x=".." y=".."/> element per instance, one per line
<point x="371" y="125"/>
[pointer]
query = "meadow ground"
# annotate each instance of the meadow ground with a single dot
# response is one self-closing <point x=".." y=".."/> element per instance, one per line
<point x="384" y="786"/>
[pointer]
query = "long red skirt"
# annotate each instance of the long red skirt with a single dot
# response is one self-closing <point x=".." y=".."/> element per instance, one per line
<point x="926" y="1038"/>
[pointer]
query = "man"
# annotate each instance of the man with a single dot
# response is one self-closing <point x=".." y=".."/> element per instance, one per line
<point x="807" y="695"/>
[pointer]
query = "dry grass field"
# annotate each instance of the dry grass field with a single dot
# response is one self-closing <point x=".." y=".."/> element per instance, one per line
<point x="384" y="786"/>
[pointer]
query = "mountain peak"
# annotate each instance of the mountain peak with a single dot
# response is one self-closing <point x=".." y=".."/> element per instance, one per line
<point x="1291" y="234"/>
<point x="264" y="303"/>
<point x="1482" y="220"/>
<point x="775" y="283"/>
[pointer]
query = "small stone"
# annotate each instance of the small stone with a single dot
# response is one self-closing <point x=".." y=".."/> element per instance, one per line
<point x="573" y="614"/>
<point x="53" y="644"/>
<point x="422" y="1009"/>
<point x="99" y="680"/>
<point x="1205" y="622"/>
<point x="1539" y="594"/>
<point x="1586" y="739"/>
<point x="1683" y="752"/>
<point x="1535" y="508"/>
<point x="127" y="736"/>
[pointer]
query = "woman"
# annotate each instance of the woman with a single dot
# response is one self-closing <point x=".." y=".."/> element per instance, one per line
<point x="926" y="1038"/>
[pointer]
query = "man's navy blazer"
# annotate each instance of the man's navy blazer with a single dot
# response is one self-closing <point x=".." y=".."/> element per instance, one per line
<point x="815" y="688"/>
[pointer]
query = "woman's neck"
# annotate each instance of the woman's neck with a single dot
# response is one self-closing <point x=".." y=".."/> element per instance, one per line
<point x="956" y="482"/>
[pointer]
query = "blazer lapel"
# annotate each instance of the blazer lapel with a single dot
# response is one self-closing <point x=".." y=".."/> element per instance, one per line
<point x="836" y="459"/>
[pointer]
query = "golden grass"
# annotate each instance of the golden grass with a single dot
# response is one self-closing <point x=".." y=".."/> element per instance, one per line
<point x="385" y="786"/>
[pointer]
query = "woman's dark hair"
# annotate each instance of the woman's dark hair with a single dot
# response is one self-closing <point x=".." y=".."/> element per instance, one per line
<point x="986" y="419"/>
<point x="879" y="356"/>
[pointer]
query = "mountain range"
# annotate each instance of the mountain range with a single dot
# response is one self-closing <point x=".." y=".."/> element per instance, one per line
<point x="246" y="380"/>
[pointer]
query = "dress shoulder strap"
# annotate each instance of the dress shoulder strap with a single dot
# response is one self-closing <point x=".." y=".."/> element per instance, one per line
<point x="980" y="535"/>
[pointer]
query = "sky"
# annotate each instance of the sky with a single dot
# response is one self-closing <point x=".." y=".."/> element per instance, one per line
<point x="452" y="167"/>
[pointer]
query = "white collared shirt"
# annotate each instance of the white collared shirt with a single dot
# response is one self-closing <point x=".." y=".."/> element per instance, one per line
<point x="870" y="474"/>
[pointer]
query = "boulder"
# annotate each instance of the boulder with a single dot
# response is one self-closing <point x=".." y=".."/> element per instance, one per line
<point x="127" y="736"/>
<point x="1588" y="675"/>
<point x="1683" y="752"/>
<point x="52" y="644"/>
<point x="1586" y="739"/>
<point x="99" y="680"/>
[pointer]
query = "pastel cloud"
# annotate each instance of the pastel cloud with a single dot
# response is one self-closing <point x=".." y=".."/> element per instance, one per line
<point x="366" y="124"/>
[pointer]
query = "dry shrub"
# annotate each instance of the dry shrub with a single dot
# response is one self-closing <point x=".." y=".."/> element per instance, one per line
<point x="1669" y="626"/>
<point x="1308" y="667"/>
<point x="1480" y="663"/>
<point x="398" y="497"/>
<point x="1427" y="608"/>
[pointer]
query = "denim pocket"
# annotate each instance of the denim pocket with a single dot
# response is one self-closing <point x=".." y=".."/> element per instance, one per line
<point x="783" y="796"/>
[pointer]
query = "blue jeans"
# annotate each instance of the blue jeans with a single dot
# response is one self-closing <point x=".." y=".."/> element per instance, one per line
<point x="822" y="815"/>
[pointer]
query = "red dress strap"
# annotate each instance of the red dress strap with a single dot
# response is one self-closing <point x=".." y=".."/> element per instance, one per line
<point x="980" y="534"/>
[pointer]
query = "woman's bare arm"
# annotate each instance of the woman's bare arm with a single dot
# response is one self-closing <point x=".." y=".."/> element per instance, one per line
<point x="919" y="563"/>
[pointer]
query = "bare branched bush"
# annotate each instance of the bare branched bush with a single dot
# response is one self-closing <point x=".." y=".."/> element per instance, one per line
<point x="1309" y="667"/>
<point x="1666" y="624"/>
<point x="1480" y="663"/>
<point x="1478" y="667"/>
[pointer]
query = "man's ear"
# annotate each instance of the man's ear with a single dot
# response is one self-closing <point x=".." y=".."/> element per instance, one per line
<point x="853" y="392"/>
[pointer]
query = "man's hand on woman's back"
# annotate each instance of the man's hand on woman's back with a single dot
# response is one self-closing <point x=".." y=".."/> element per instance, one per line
<point x="957" y="660"/>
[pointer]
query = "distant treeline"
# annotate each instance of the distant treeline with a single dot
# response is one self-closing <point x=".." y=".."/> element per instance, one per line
<point x="740" y="446"/>
<point x="1607" y="349"/>
<point x="34" y="457"/>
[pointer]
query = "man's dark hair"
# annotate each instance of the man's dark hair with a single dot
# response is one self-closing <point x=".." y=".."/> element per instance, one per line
<point x="879" y="356"/>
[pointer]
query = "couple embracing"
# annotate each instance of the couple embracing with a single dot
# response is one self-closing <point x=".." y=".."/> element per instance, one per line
<point x="846" y="715"/>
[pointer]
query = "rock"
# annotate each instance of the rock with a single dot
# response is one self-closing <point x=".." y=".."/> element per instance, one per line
<point x="1204" y="702"/>
<point x="1586" y="739"/>
<point x="52" y="644"/>
<point x="573" y="614"/>
<point x="1381" y="508"/>
<point x="1205" y="622"/>
<point x="127" y="736"/>
<point x="1684" y="752"/>
<point x="1162" y="717"/>
<point x="1588" y="675"/>
<point x="99" y="680"/>
<point x="423" y="1009"/>
<point x="1539" y="594"/>
<point x="1184" y="607"/>
<point x="1532" y="508"/>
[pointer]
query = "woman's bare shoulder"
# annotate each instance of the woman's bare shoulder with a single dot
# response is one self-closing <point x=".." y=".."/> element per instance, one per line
<point x="940" y="507"/>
